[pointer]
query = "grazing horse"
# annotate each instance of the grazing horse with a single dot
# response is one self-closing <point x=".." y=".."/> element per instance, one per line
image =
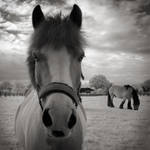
<point x="52" y="116"/>
<point x="123" y="92"/>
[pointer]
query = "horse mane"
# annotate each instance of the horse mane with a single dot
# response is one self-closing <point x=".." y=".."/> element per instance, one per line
<point x="55" y="31"/>
<point x="134" y="94"/>
<point x="127" y="86"/>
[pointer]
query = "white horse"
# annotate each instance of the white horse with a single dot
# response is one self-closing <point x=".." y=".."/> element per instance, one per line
<point x="52" y="116"/>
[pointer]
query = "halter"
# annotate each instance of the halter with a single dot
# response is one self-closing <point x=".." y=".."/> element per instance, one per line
<point x="57" y="87"/>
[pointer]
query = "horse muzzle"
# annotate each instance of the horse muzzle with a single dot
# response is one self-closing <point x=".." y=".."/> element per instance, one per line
<point x="52" y="117"/>
<point x="58" y="130"/>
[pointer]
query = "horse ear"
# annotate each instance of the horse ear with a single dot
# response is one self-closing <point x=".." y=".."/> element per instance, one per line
<point x="37" y="16"/>
<point x="76" y="15"/>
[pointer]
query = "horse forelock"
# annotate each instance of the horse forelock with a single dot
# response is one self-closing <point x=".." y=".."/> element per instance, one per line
<point x="57" y="32"/>
<point x="127" y="86"/>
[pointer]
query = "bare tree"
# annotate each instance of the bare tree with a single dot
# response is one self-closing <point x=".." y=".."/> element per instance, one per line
<point x="99" y="81"/>
<point x="5" y="88"/>
<point x="19" y="88"/>
<point x="146" y="85"/>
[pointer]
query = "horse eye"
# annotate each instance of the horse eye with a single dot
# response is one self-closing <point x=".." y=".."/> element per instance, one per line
<point x="80" y="58"/>
<point x="35" y="56"/>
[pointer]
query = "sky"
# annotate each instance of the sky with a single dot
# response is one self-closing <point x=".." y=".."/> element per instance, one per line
<point x="117" y="34"/>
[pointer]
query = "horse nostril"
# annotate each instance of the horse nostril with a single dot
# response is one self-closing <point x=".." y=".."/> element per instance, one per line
<point x="72" y="121"/>
<point x="47" y="120"/>
<point x="58" y="133"/>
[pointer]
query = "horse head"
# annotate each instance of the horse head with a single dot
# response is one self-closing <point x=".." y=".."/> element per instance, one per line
<point x="54" y="62"/>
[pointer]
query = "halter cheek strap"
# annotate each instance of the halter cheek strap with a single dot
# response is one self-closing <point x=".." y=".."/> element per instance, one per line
<point x="36" y="75"/>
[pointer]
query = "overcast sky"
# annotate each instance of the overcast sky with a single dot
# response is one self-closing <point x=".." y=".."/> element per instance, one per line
<point x="117" y="33"/>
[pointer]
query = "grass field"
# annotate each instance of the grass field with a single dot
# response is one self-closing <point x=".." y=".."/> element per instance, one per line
<point x="107" y="128"/>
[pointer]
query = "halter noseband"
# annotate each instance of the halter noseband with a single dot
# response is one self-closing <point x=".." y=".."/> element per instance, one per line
<point x="58" y="87"/>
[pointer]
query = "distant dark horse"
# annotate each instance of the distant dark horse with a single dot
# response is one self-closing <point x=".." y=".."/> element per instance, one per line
<point x="123" y="92"/>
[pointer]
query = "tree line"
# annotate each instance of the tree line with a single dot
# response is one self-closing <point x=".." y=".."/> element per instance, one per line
<point x="98" y="84"/>
<point x="12" y="89"/>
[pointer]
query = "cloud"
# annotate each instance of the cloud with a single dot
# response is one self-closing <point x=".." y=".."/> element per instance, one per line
<point x="117" y="28"/>
<point x="117" y="33"/>
<point x="120" y="68"/>
<point x="52" y="2"/>
<point x="13" y="66"/>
